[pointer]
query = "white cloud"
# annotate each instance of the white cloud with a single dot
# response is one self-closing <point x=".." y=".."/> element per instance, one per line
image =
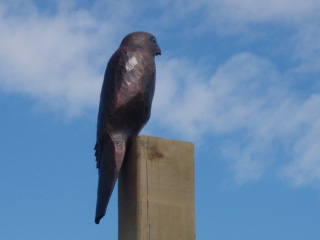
<point x="57" y="58"/>
<point x="246" y="104"/>
<point x="247" y="97"/>
<point x="288" y="24"/>
<point x="239" y="17"/>
<point x="238" y="97"/>
<point x="232" y="16"/>
<point x="305" y="167"/>
<point x="240" y="87"/>
<point x="307" y="48"/>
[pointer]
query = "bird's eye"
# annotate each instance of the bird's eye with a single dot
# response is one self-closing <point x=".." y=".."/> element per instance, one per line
<point x="153" y="40"/>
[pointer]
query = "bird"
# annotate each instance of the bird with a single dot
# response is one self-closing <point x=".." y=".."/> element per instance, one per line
<point x="125" y="107"/>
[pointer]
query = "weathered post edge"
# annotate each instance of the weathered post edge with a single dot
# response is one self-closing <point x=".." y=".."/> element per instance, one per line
<point x="157" y="191"/>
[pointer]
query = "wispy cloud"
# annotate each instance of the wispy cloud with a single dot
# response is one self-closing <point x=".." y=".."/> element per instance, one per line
<point x="233" y="17"/>
<point x="305" y="167"/>
<point x="246" y="104"/>
<point x="58" y="58"/>
<point x="251" y="104"/>
<point x="307" y="48"/>
<point x="247" y="99"/>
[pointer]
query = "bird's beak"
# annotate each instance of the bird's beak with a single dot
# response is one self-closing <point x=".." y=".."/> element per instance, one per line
<point x="158" y="51"/>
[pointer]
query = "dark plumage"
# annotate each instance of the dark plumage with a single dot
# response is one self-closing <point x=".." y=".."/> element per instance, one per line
<point x="125" y="107"/>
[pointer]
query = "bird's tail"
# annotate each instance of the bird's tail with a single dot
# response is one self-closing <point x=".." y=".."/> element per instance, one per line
<point x="112" y="155"/>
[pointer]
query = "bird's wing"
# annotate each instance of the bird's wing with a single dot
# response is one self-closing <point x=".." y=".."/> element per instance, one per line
<point x="128" y="71"/>
<point x="113" y="77"/>
<point x="112" y="155"/>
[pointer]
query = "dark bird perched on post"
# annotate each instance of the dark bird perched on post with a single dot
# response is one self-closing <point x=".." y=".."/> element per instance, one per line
<point x="125" y="107"/>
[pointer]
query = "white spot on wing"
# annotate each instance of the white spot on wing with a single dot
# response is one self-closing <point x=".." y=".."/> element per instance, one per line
<point x="131" y="63"/>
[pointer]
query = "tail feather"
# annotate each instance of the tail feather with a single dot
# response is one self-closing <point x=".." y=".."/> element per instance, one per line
<point x="112" y="156"/>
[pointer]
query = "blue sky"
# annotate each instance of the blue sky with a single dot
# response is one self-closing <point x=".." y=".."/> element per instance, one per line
<point x="238" y="78"/>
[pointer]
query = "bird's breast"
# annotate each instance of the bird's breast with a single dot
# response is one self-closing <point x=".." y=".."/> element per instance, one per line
<point x="132" y="62"/>
<point x="137" y="78"/>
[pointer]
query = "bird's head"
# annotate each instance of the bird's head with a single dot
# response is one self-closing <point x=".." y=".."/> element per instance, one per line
<point x="143" y="40"/>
